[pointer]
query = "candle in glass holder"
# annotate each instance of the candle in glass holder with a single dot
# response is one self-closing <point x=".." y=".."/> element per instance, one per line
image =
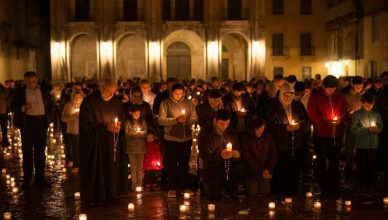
<point x="309" y="194"/>
<point x="13" y="184"/>
<point x="211" y="207"/>
<point x="186" y="195"/>
<point x="138" y="189"/>
<point x="15" y="190"/>
<point x="348" y="203"/>
<point x="131" y="207"/>
<point x="77" y="195"/>
<point x="317" y="205"/>
<point x="385" y="200"/>
<point x="7" y="176"/>
<point x="189" y="98"/>
<point x="314" y="157"/>
<point x="3" y="171"/>
<point x="373" y="124"/>
<point x="12" y="179"/>
<point x="183" y="112"/>
<point x="288" y="200"/>
<point x="271" y="205"/>
<point x="83" y="217"/>
<point x="229" y="147"/>
<point x="182" y="209"/>
<point x="7" y="215"/>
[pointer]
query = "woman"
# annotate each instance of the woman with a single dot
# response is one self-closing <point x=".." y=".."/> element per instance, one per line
<point x="288" y="125"/>
<point x="259" y="157"/>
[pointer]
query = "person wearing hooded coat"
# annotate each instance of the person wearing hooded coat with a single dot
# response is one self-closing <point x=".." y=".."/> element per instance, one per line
<point x="136" y="98"/>
<point x="177" y="114"/>
<point x="288" y="127"/>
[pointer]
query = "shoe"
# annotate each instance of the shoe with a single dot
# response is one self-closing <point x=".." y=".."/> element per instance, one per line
<point x="171" y="194"/>
<point x="42" y="182"/>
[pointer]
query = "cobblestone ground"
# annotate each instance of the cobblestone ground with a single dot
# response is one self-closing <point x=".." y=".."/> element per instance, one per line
<point x="58" y="202"/>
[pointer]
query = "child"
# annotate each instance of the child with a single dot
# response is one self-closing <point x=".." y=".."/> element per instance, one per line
<point x="135" y="133"/>
<point x="152" y="161"/>
<point x="366" y="124"/>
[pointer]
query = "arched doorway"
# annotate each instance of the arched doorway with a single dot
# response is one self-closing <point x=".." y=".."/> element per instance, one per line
<point x="234" y="57"/>
<point x="179" y="61"/>
<point x="130" y="57"/>
<point x="84" y="57"/>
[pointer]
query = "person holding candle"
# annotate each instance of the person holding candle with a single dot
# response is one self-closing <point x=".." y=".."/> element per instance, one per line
<point x="328" y="110"/>
<point x="136" y="98"/>
<point x="177" y="114"/>
<point x="288" y="127"/>
<point x="70" y="115"/>
<point x="366" y="125"/>
<point x="33" y="109"/>
<point x="103" y="163"/>
<point x="153" y="161"/>
<point x="135" y="133"/>
<point x="258" y="153"/>
<point x="240" y="105"/>
<point x="218" y="143"/>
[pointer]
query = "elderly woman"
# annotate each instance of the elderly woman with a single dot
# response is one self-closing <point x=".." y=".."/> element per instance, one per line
<point x="258" y="153"/>
<point x="288" y="126"/>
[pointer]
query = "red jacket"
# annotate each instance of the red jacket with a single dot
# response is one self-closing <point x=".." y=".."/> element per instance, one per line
<point x="322" y="108"/>
<point x="153" y="158"/>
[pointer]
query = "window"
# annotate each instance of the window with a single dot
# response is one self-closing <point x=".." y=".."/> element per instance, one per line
<point x="182" y="9"/>
<point x="82" y="10"/>
<point x="277" y="44"/>
<point x="130" y="10"/>
<point x="277" y="70"/>
<point x="375" y="28"/>
<point x="305" y="7"/>
<point x="277" y="7"/>
<point x="166" y="10"/>
<point x="234" y="10"/>
<point x="306" y="48"/>
<point x="198" y="9"/>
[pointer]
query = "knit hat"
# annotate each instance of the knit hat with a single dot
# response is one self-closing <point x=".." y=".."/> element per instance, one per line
<point x="287" y="88"/>
<point x="330" y="81"/>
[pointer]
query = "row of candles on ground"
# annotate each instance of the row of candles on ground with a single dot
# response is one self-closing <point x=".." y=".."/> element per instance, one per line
<point x="10" y="181"/>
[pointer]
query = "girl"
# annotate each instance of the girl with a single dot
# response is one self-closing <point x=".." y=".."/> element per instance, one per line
<point x="152" y="161"/>
<point x="135" y="133"/>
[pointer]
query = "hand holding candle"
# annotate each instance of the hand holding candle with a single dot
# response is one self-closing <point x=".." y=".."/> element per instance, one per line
<point x="373" y="127"/>
<point x="335" y="120"/>
<point x="182" y="117"/>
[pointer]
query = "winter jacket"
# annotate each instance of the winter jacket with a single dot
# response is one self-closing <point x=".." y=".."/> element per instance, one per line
<point x="230" y="104"/>
<point x="257" y="154"/>
<point x="278" y="126"/>
<point x="361" y="121"/>
<point x="153" y="158"/>
<point x="169" y="110"/>
<point x="354" y="100"/>
<point x="135" y="133"/>
<point x="322" y="108"/>
<point x="206" y="113"/>
<point x="211" y="143"/>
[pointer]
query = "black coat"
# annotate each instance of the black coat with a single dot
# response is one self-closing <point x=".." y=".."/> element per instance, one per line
<point x="247" y="104"/>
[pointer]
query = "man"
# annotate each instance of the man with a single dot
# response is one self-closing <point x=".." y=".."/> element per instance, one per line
<point x="4" y="96"/>
<point x="177" y="114"/>
<point x="103" y="164"/>
<point x="353" y="96"/>
<point x="239" y="105"/>
<point x="212" y="142"/>
<point x="328" y="110"/>
<point x="207" y="110"/>
<point x="32" y="107"/>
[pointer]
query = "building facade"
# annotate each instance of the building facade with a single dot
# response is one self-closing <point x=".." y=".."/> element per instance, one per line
<point x="156" y="39"/>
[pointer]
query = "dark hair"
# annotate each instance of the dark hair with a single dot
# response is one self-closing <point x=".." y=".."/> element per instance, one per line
<point x="30" y="74"/>
<point x="299" y="86"/>
<point x="357" y="80"/>
<point x="384" y="74"/>
<point x="256" y="122"/>
<point x="171" y="80"/>
<point x="291" y="79"/>
<point x="368" y="98"/>
<point x="238" y="86"/>
<point x="134" y="108"/>
<point x="222" y="114"/>
<point x="215" y="93"/>
<point x="278" y="77"/>
<point x="214" y="78"/>
<point x="177" y="86"/>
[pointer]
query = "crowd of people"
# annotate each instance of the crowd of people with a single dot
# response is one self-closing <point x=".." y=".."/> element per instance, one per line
<point x="258" y="133"/>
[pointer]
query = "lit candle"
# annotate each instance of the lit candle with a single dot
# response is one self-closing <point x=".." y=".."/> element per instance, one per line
<point x="116" y="121"/>
<point x="348" y="203"/>
<point x="83" y="217"/>
<point x="186" y="203"/>
<point x="198" y="93"/>
<point x="288" y="200"/>
<point x="373" y="124"/>
<point x="3" y="171"/>
<point x="8" y="182"/>
<point x="229" y="147"/>
<point x="12" y="179"/>
<point x="7" y="215"/>
<point x="182" y="209"/>
<point x="131" y="207"/>
<point x="385" y="200"/>
<point x="186" y="195"/>
<point x="58" y="96"/>
<point x="7" y="176"/>
<point x="242" y="110"/>
<point x="317" y="205"/>
<point x="183" y="112"/>
<point x="211" y="207"/>
<point x="271" y="205"/>
<point x="138" y="189"/>
<point x="15" y="190"/>
<point x="158" y="164"/>
<point x="189" y="98"/>
<point x="138" y="130"/>
<point x="314" y="157"/>
<point x="76" y="110"/>
<point x="77" y="195"/>
<point x="309" y="194"/>
<point x="335" y="118"/>
<point x="13" y="184"/>
<point x="64" y="170"/>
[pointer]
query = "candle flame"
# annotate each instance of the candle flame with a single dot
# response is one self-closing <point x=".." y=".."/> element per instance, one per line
<point x="183" y="112"/>
<point x="229" y="147"/>
<point x="373" y="124"/>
